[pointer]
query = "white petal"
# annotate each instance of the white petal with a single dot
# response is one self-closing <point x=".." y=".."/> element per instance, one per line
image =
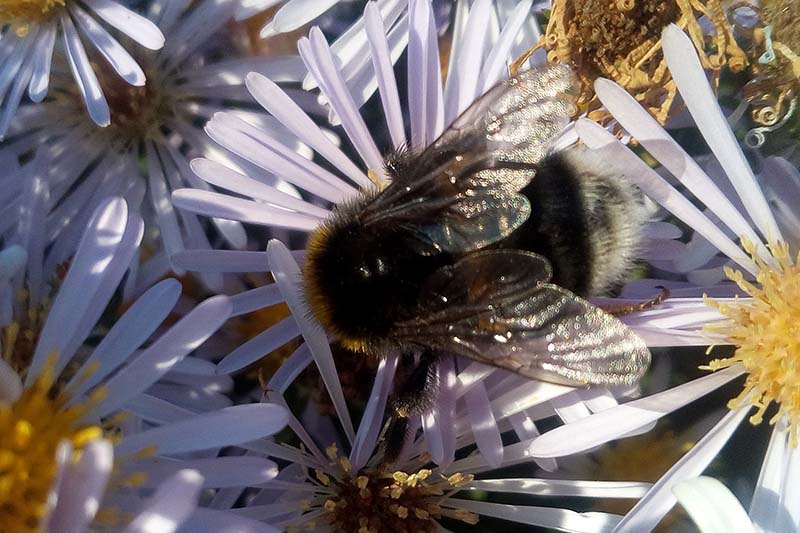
<point x="255" y="299"/>
<point x="290" y="369"/>
<point x="208" y="521"/>
<point x="170" y="505"/>
<point x="10" y="383"/>
<point x="484" y="425"/>
<point x="231" y="208"/>
<point x="259" y="346"/>
<point x="296" y="13"/>
<point x="83" y="487"/>
<point x="548" y="517"/>
<point x="225" y="427"/>
<point x="134" y="26"/>
<point x="766" y="509"/>
<point x="287" y="276"/>
<point x="712" y="506"/>
<point x="702" y="103"/>
<point x="663" y="147"/>
<point x="613" y="423"/>
<point x="43" y="58"/>
<point x="216" y="472"/>
<point x="101" y="241"/>
<point x="563" y="487"/>
<point x="371" y="421"/>
<point x="84" y="75"/>
<point x="184" y="337"/>
<point x="649" y="511"/>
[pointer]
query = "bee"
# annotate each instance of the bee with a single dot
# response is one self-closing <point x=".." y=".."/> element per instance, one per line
<point x="485" y="245"/>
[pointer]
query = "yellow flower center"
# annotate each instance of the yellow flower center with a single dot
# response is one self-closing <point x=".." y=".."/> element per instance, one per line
<point x="766" y="333"/>
<point x="373" y="501"/>
<point x="20" y="14"/>
<point x="621" y="40"/>
<point x="30" y="431"/>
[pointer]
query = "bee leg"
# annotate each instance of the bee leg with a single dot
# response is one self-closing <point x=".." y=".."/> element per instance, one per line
<point x="415" y="396"/>
<point x="625" y="309"/>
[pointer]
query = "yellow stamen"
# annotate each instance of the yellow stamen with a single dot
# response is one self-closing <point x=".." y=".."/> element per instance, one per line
<point x="766" y="333"/>
<point x="22" y="13"/>
<point x="31" y="430"/>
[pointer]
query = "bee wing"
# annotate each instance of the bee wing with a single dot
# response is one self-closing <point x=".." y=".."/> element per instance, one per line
<point x="460" y="193"/>
<point x="496" y="307"/>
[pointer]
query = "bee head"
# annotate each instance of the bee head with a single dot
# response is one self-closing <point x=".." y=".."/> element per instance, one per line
<point x="359" y="280"/>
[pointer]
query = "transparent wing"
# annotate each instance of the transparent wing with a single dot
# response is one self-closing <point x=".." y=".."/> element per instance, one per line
<point x="496" y="307"/>
<point x="461" y="193"/>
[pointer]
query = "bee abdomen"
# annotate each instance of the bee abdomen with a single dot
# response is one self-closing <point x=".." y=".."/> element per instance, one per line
<point x="585" y="218"/>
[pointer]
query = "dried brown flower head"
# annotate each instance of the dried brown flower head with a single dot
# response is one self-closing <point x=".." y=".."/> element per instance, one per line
<point x="773" y="45"/>
<point x="621" y="40"/>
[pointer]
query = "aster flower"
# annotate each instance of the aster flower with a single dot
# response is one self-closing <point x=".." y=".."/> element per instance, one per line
<point x="29" y="30"/>
<point x="345" y="486"/>
<point x="760" y="325"/>
<point x="152" y="135"/>
<point x="491" y="396"/>
<point x="85" y="437"/>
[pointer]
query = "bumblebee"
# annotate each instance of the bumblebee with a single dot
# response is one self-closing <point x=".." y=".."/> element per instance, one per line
<point x="485" y="245"/>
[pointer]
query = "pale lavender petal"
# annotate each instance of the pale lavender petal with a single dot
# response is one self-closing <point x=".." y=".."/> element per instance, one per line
<point x="208" y="521"/>
<point x="563" y="487"/>
<point x="274" y="100"/>
<point x="649" y="511"/>
<point x="663" y="147"/>
<point x="137" y="27"/>
<point x="613" y="423"/>
<point x="224" y="206"/>
<point x="287" y="276"/>
<point x="699" y="98"/>
<point x="370" y="424"/>
<point x="548" y="517"/>
<point x="660" y="190"/>
<point x="170" y="505"/>
<point x="713" y="508"/>
<point x="119" y="59"/>
<point x="462" y="87"/>
<point x="766" y="509"/>
<point x="317" y="57"/>
<point x="42" y="61"/>
<point x="255" y="299"/>
<point x="384" y="71"/>
<point x="10" y="383"/>
<point x="495" y="62"/>
<point x="63" y="461"/>
<point x="101" y="241"/>
<point x="296" y="13"/>
<point x="224" y="427"/>
<point x="526" y="429"/>
<point x="484" y="425"/>
<point x="82" y="488"/>
<point x="84" y="75"/>
<point x="262" y="344"/>
<point x="290" y="369"/>
<point x="127" y="334"/>
<point x="217" y="472"/>
<point x="184" y="337"/>
<point x="221" y="261"/>
<point x="424" y="87"/>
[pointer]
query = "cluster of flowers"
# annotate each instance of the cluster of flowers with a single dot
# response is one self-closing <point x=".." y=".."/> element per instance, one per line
<point x="148" y="154"/>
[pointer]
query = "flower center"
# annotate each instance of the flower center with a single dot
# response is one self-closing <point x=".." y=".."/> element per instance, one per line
<point x="20" y="14"/>
<point x="621" y="40"/>
<point x="136" y="112"/>
<point x="30" y="431"/>
<point x="372" y="500"/>
<point x="766" y="333"/>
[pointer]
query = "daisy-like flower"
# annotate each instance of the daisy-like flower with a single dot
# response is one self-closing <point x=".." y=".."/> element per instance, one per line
<point x="491" y="396"/>
<point x="762" y="326"/>
<point x="153" y="132"/>
<point x="85" y="438"/>
<point x="30" y="32"/>
<point x="345" y="485"/>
